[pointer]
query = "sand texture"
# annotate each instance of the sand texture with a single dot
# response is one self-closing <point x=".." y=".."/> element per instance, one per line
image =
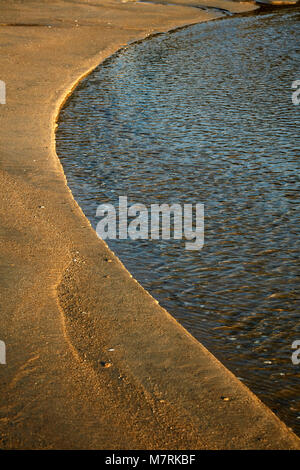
<point x="65" y="298"/>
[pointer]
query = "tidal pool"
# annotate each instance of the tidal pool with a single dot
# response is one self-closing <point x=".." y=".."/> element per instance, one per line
<point x="205" y="115"/>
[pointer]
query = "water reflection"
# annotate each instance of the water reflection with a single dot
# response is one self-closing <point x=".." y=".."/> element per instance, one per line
<point x="205" y="115"/>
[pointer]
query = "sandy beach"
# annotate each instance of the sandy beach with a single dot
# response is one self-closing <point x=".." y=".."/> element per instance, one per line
<point x="93" y="362"/>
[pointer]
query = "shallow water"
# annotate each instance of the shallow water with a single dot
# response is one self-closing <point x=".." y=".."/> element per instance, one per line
<point x="205" y="115"/>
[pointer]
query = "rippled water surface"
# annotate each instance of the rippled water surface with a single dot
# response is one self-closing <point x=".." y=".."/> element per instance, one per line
<point x="205" y="115"/>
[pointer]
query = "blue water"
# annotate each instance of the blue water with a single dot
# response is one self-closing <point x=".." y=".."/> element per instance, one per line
<point x="205" y="115"/>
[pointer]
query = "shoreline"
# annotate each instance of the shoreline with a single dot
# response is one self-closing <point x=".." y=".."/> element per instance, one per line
<point x="70" y="305"/>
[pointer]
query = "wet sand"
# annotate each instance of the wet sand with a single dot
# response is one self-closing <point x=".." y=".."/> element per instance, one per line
<point x="66" y="300"/>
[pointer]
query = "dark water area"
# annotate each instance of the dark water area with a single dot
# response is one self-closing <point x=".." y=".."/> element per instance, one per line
<point x="205" y="115"/>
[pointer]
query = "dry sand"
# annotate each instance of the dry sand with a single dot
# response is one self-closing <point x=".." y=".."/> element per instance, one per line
<point x="63" y="304"/>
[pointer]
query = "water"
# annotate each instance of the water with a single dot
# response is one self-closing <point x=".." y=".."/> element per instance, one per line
<point x="205" y="115"/>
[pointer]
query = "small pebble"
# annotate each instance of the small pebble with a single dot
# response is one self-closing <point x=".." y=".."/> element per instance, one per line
<point x="106" y="364"/>
<point x="225" y="398"/>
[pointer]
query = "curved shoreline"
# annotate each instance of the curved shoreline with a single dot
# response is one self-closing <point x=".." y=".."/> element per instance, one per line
<point x="55" y="391"/>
